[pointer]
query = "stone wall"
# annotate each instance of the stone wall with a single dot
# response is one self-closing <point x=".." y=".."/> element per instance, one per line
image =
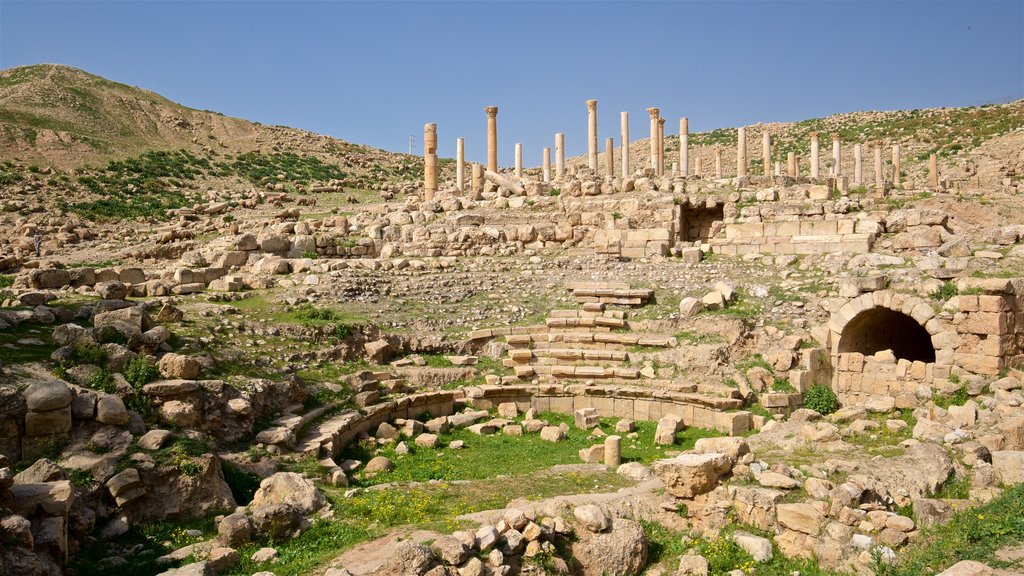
<point x="794" y="237"/>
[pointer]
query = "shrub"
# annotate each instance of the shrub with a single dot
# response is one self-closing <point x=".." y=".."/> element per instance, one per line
<point x="102" y="381"/>
<point x="89" y="354"/>
<point x="959" y="398"/>
<point x="821" y="399"/>
<point x="6" y="280"/>
<point x="140" y="372"/>
<point x="342" y="331"/>
<point x="945" y="292"/>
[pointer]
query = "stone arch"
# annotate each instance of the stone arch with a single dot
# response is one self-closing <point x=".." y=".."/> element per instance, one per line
<point x="877" y="329"/>
<point x="852" y="324"/>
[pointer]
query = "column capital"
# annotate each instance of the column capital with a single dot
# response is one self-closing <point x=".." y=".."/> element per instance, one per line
<point x="835" y="135"/>
<point x="661" y="121"/>
<point x="492" y="111"/>
<point x="653" y="112"/>
<point x="591" y="105"/>
<point x="815" y="134"/>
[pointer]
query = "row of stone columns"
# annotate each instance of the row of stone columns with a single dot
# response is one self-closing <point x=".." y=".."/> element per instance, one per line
<point x="657" y="151"/>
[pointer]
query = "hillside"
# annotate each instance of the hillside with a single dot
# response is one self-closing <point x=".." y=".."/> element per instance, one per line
<point x="61" y="117"/>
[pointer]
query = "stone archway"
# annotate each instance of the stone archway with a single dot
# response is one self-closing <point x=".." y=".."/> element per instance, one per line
<point x="922" y="347"/>
<point x="852" y="325"/>
<point x="877" y="329"/>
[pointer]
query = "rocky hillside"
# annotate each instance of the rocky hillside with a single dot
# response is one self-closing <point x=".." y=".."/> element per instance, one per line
<point x="62" y="119"/>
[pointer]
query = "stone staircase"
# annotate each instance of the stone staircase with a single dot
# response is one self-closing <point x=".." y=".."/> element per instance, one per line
<point x="595" y="344"/>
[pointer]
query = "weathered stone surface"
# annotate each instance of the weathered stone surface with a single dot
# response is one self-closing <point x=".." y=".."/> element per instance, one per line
<point x="234" y="530"/>
<point x="620" y="551"/>
<point x="111" y="410"/>
<point x="592" y="518"/>
<point x="1009" y="466"/>
<point x="967" y="568"/>
<point x="689" y="475"/>
<point x="801" y="517"/>
<point x="178" y="366"/>
<point x="47" y="395"/>
<point x="43" y="470"/>
<point x="693" y="565"/>
<point x="379" y="464"/>
<point x="291" y="489"/>
<point x="758" y="547"/>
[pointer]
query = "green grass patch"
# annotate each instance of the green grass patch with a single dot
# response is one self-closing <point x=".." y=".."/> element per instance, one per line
<point x="973" y="534"/>
<point x="499" y="454"/>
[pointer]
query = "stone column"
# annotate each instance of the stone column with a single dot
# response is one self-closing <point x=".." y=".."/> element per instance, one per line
<point x="879" y="177"/>
<point x="791" y="164"/>
<point x="559" y="155"/>
<point x="698" y="168"/>
<point x="613" y="451"/>
<point x="429" y="161"/>
<point x="609" y="157"/>
<point x="478" y="178"/>
<point x="718" y="162"/>
<point x="592" y="135"/>
<point x="933" y="171"/>
<point x="519" y="160"/>
<point x="858" y="165"/>
<point x="460" y="164"/>
<point x="778" y="167"/>
<point x="766" y="151"/>
<point x="837" y="157"/>
<point x="896" y="165"/>
<point x="624" y="135"/>
<point x="684" y="146"/>
<point x="741" y="151"/>
<point x="547" y="164"/>
<point x="492" y="138"/>
<point x="661" y="146"/>
<point x="653" y="112"/>
<point x="815" y="172"/>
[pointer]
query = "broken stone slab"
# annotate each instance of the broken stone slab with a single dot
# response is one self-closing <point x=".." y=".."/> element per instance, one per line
<point x="689" y="475"/>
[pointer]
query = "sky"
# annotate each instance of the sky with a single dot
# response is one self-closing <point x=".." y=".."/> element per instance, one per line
<point x="375" y="72"/>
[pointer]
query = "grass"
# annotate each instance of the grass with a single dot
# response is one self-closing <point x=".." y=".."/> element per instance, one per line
<point x="490" y="456"/>
<point x="973" y="534"/>
<point x="665" y="546"/>
<point x="882" y="440"/>
<point x="27" y="350"/>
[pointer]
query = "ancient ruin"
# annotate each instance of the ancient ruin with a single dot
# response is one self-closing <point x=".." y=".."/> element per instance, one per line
<point x="309" y="357"/>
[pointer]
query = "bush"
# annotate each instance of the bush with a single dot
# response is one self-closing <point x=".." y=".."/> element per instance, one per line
<point x="342" y="331"/>
<point x="821" y="399"/>
<point x="6" y="280"/>
<point x="89" y="354"/>
<point x="102" y="381"/>
<point x="140" y="372"/>
<point x="945" y="292"/>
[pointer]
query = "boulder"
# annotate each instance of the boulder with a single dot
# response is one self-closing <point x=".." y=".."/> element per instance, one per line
<point x="758" y="547"/>
<point x="47" y="395"/>
<point x="802" y="517"/>
<point x="234" y="530"/>
<point x="379" y="464"/>
<point x="1009" y="466"/>
<point x="111" y="410"/>
<point x="690" y="307"/>
<point x="43" y="470"/>
<point x="178" y="366"/>
<point x="619" y="551"/>
<point x="112" y="290"/>
<point x="408" y="558"/>
<point x="732" y="446"/>
<point x="693" y="565"/>
<point x="291" y="489"/>
<point x="592" y="518"/>
<point x="689" y="475"/>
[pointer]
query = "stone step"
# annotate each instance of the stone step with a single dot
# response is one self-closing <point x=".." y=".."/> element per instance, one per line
<point x="596" y="321"/>
<point x="587" y="339"/>
<point x="719" y="390"/>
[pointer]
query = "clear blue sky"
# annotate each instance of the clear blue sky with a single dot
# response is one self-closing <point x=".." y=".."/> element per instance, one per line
<point x="373" y="73"/>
